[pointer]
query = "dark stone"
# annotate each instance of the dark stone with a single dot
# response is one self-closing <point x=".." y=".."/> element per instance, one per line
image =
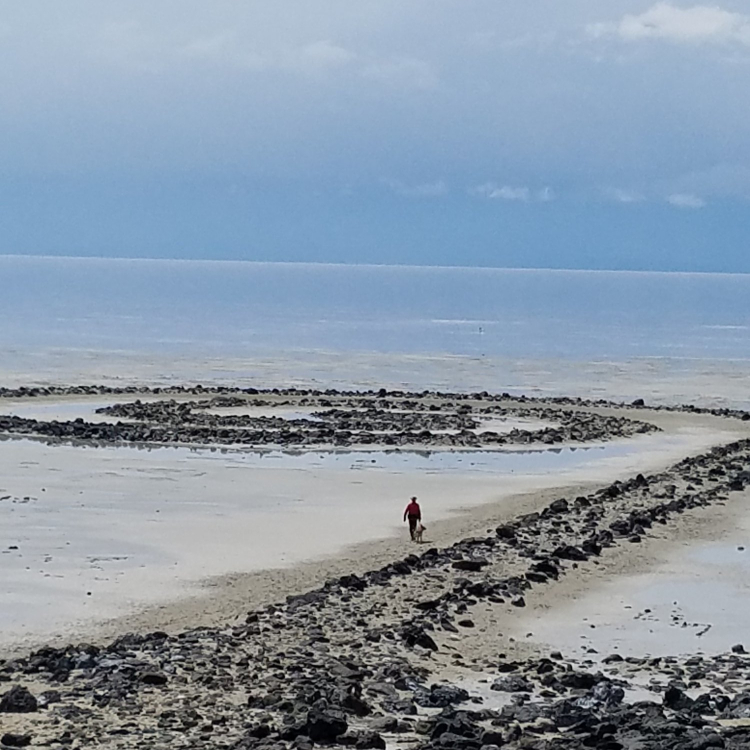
<point x="325" y="725"/>
<point x="591" y="547"/>
<point x="512" y="684"/>
<point x="154" y="678"/>
<point x="492" y="737"/>
<point x="18" y="700"/>
<point x="535" y="577"/>
<point x="456" y="742"/>
<point x="400" y="706"/>
<point x="738" y="648"/>
<point x="603" y="695"/>
<point x="259" y="732"/>
<point x="385" y="724"/>
<point x="354" y="704"/>
<point x="569" y="552"/>
<point x="452" y="724"/>
<point x="294" y="729"/>
<point x="364" y="739"/>
<point x="473" y="566"/>
<point x="579" y="680"/>
<point x="675" y="699"/>
<point x="15" y="740"/>
<point x="414" y="635"/>
<point x="440" y="696"/>
<point x="507" y="666"/>
<point x="559" y="506"/>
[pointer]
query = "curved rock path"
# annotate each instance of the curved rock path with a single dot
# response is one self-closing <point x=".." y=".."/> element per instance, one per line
<point x="356" y="662"/>
<point x="330" y="419"/>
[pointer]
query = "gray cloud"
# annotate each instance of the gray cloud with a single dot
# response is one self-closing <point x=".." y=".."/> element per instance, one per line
<point x="618" y="195"/>
<point x="339" y="93"/>
<point x="493" y="191"/>
<point x="686" y="200"/>
<point x="676" y="23"/>
<point x="420" y="190"/>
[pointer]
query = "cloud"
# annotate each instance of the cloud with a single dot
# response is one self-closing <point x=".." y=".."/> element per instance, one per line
<point x="697" y="24"/>
<point x="686" y="200"/>
<point x="618" y="195"/>
<point x="312" y="57"/>
<point x="325" y="54"/>
<point x="493" y="191"/>
<point x="422" y="190"/>
<point x="545" y="195"/>
<point x="722" y="180"/>
<point x="226" y="49"/>
<point x="506" y="192"/>
<point x="406" y="73"/>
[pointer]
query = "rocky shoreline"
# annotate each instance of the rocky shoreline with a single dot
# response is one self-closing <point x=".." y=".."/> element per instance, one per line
<point x="358" y="661"/>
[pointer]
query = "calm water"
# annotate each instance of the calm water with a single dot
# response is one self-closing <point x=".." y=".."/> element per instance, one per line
<point x="199" y="309"/>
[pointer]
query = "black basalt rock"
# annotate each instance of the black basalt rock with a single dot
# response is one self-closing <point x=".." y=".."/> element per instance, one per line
<point x="415" y="635"/>
<point x="11" y="739"/>
<point x="440" y="696"/>
<point x="18" y="700"/>
<point x="325" y="725"/>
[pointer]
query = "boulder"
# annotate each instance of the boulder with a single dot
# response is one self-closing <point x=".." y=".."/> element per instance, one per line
<point x="10" y="739"/>
<point x="512" y="684"/>
<point x="18" y="700"/>
<point x="325" y="725"/>
<point x="470" y="565"/>
<point x="154" y="678"/>
<point x="414" y="635"/>
<point x="440" y="696"/>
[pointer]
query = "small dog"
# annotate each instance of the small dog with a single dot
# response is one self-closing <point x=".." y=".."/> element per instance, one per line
<point x="418" y="532"/>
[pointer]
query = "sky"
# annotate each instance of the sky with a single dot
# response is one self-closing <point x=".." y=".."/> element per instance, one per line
<point x="583" y="134"/>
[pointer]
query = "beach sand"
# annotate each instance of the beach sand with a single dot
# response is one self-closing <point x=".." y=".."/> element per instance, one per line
<point x="224" y="534"/>
<point x="110" y="539"/>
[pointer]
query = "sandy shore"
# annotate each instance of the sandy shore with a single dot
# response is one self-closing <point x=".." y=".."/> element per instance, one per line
<point x="375" y="628"/>
<point x="361" y="633"/>
<point x="117" y="539"/>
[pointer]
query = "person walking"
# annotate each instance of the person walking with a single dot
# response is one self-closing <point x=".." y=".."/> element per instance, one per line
<point x="413" y="514"/>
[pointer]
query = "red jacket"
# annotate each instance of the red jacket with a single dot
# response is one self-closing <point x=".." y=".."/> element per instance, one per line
<point x="413" y="511"/>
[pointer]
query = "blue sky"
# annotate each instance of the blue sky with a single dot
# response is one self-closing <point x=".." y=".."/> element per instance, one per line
<point x="538" y="134"/>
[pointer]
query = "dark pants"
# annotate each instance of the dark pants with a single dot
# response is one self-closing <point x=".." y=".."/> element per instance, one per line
<point x="413" y="521"/>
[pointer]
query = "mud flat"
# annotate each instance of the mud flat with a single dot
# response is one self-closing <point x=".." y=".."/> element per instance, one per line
<point x="430" y="648"/>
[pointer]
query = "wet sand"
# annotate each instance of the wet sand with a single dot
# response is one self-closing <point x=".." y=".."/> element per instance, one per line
<point x="683" y="591"/>
<point x="117" y="538"/>
<point x="374" y="625"/>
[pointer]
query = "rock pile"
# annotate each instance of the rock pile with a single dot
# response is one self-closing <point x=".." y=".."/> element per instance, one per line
<point x="335" y="419"/>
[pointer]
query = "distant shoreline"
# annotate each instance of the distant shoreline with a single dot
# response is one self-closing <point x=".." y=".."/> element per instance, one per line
<point x="407" y="266"/>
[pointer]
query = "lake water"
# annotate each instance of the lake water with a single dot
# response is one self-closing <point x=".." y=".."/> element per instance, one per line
<point x="612" y="333"/>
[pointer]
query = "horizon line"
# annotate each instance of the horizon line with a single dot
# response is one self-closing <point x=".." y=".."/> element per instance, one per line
<point x="339" y="264"/>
